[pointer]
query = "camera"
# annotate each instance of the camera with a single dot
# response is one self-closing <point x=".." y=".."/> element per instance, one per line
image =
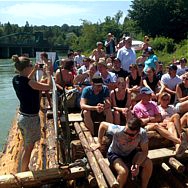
<point x="41" y="66"/>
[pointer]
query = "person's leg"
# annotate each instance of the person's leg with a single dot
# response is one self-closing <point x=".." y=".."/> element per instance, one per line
<point x="49" y="99"/>
<point x="116" y="117"/>
<point x="147" y="168"/>
<point x="171" y="128"/>
<point x="88" y="121"/>
<point x="108" y="114"/>
<point x="176" y="120"/>
<point x="166" y="134"/>
<point x="183" y="107"/>
<point x="184" y="120"/>
<point x="122" y="172"/>
<point x="25" y="159"/>
<point x="146" y="172"/>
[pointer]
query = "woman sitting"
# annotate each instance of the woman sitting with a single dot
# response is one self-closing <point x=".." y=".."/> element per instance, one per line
<point x="152" y="81"/>
<point x="182" y="95"/>
<point x="169" y="114"/>
<point x="134" y="83"/>
<point x="120" y="99"/>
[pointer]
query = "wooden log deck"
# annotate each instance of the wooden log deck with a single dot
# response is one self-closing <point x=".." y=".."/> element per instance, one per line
<point x="45" y="169"/>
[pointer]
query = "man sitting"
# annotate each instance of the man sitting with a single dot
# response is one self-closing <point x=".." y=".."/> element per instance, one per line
<point x="123" y="153"/>
<point x="95" y="102"/>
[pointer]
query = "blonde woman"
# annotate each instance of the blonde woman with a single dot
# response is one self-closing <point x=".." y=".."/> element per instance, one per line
<point x="121" y="100"/>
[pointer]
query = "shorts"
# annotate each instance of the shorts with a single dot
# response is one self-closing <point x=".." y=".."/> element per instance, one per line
<point x="95" y="116"/>
<point x="126" y="159"/>
<point x="177" y="107"/>
<point x="29" y="127"/>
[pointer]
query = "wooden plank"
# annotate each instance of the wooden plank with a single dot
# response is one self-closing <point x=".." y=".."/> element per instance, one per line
<point x="163" y="153"/>
<point x="41" y="177"/>
<point x="73" y="117"/>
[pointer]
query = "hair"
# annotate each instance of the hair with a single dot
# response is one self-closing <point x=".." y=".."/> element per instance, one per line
<point x="20" y="62"/>
<point x="117" y="59"/>
<point x="151" y="68"/>
<point x="135" y="123"/>
<point x="134" y="66"/>
<point x="68" y="65"/>
<point x="164" y="94"/>
<point x="44" y="54"/>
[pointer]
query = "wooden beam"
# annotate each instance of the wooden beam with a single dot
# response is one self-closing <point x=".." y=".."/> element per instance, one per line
<point x="176" y="165"/>
<point x="162" y="153"/>
<point x="41" y="177"/>
<point x="102" y="163"/>
<point x="91" y="158"/>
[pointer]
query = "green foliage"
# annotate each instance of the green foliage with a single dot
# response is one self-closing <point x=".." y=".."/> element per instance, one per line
<point x="181" y="51"/>
<point x="166" y="45"/>
<point x="161" y="17"/>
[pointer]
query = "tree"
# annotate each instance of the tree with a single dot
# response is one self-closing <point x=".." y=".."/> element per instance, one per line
<point x="161" y="18"/>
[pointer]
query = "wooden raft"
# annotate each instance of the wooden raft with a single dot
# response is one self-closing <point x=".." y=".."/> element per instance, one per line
<point x="43" y="162"/>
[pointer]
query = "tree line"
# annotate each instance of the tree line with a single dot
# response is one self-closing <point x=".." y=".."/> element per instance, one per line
<point x="155" y="18"/>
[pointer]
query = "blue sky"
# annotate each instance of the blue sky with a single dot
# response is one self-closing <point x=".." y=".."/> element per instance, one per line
<point x="50" y="13"/>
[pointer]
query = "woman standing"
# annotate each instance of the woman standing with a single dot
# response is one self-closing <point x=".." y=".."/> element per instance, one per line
<point x="27" y="91"/>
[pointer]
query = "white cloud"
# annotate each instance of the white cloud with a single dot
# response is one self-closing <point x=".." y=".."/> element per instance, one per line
<point x="41" y="10"/>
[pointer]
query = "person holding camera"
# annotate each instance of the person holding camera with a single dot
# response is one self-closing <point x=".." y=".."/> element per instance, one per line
<point x="110" y="45"/>
<point x="27" y="91"/>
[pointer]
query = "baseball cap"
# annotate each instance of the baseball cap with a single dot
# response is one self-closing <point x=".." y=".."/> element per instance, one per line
<point x="146" y="90"/>
<point x="97" y="80"/>
<point x="173" y="67"/>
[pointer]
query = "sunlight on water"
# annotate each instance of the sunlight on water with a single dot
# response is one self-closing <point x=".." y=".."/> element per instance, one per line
<point x="8" y="100"/>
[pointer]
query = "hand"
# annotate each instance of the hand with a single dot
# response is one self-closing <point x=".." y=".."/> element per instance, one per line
<point x="134" y="170"/>
<point x="100" y="107"/>
<point x="94" y="146"/>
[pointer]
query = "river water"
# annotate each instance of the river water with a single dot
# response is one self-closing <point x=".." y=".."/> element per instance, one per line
<point x="8" y="99"/>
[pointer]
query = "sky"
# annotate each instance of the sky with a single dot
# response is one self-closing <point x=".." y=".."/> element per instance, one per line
<point x="50" y="13"/>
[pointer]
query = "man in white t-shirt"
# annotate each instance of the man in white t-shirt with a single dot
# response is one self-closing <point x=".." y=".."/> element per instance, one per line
<point x="79" y="59"/>
<point x="169" y="82"/>
<point x="182" y="68"/>
<point x="109" y="78"/>
<point x="127" y="54"/>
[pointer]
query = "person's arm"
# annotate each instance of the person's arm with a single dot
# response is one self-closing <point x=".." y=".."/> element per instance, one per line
<point x="157" y="67"/>
<point x="155" y="119"/>
<point x="85" y="106"/>
<point x="169" y="90"/>
<point x="179" y="94"/>
<point x="31" y="75"/>
<point x="107" y="103"/>
<point x="142" y="154"/>
<point x="58" y="80"/>
<point x="102" y="130"/>
<point x="42" y="86"/>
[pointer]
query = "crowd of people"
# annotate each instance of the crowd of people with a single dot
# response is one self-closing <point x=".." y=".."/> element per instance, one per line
<point x="132" y="95"/>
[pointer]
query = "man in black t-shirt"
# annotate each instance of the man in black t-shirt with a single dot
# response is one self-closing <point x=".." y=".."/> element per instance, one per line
<point x="118" y="70"/>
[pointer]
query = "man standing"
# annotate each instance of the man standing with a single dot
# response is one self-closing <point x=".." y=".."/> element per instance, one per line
<point x="127" y="55"/>
<point x="123" y="153"/>
<point x="110" y="45"/>
<point x="95" y="101"/>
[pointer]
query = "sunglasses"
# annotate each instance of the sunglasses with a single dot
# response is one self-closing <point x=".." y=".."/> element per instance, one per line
<point x="131" y="134"/>
<point x="165" y="99"/>
<point x="185" y="78"/>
